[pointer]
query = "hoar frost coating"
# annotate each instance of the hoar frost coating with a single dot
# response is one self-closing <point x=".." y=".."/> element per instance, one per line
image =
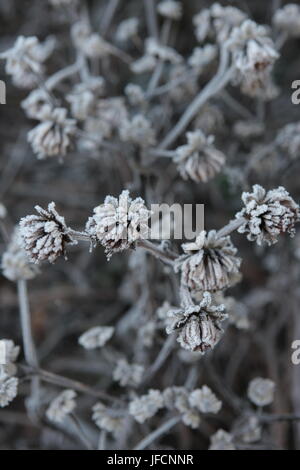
<point x="170" y="9"/>
<point x="44" y="236"/>
<point x="96" y="337"/>
<point x="61" y="406"/>
<point x="138" y="130"/>
<point x="119" y="222"/>
<point x="15" y="262"/>
<point x="210" y="263"/>
<point x="24" y="60"/>
<point x="267" y="214"/>
<point x="198" y="326"/>
<point x="53" y="136"/>
<point x="146" y="406"/>
<point x="199" y="160"/>
<point x="261" y="391"/>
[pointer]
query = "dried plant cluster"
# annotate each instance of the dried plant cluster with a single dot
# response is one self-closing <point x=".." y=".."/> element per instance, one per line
<point x="114" y="340"/>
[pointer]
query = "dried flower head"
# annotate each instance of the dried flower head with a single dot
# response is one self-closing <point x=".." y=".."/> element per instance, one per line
<point x="202" y="56"/>
<point x="135" y="94"/>
<point x="248" y="429"/>
<point x="127" y="29"/>
<point x="83" y="96"/>
<point x="170" y="9"/>
<point x="24" y="60"/>
<point x="36" y="104"/>
<point x="15" y="262"/>
<point x="61" y="406"/>
<point x="118" y="223"/>
<point x="138" y="130"/>
<point x="205" y="400"/>
<point x="91" y="44"/>
<point x="254" y="54"/>
<point x="267" y="214"/>
<point x="199" y="159"/>
<point x="53" y="136"/>
<point x="209" y="264"/>
<point x="44" y="236"/>
<point x="146" y="406"/>
<point x="288" y="139"/>
<point x="96" y="337"/>
<point x="105" y="419"/>
<point x="199" y="326"/>
<point x="8" y="390"/>
<point x="161" y="52"/>
<point x="128" y="374"/>
<point x="287" y="19"/>
<point x="261" y="391"/>
<point x="221" y="440"/>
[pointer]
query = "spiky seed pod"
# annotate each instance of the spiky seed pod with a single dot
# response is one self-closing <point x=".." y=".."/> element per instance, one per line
<point x="267" y="214"/>
<point x="119" y="222"/>
<point x="199" y="326"/>
<point x="210" y="263"/>
<point x="45" y="235"/>
<point x="199" y="160"/>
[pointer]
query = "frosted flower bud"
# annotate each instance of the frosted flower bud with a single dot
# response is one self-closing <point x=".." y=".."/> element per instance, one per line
<point x="44" y="236"/>
<point x="198" y="326"/>
<point x="287" y="19"/>
<point x="221" y="440"/>
<point x="209" y="264"/>
<point x="210" y="119"/>
<point x="161" y="52"/>
<point x="53" y="136"/>
<point x="191" y="418"/>
<point x="8" y="390"/>
<point x="83" y="96"/>
<point x="205" y="400"/>
<point x="90" y="44"/>
<point x="267" y="214"/>
<point x="61" y="406"/>
<point x="96" y="337"/>
<point x="24" y="60"/>
<point x="36" y="104"/>
<point x="202" y="23"/>
<point x="146" y="63"/>
<point x="138" y="131"/>
<point x="202" y="56"/>
<point x="199" y="160"/>
<point x="146" y="406"/>
<point x="15" y="263"/>
<point x="119" y="222"/>
<point x="105" y="420"/>
<point x="11" y="351"/>
<point x="127" y="29"/>
<point x="170" y="9"/>
<point x="134" y="94"/>
<point x="261" y="391"/>
<point x="288" y="139"/>
<point x="128" y="374"/>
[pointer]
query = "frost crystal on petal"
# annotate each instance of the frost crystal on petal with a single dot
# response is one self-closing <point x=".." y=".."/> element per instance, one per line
<point x="61" y="406"/>
<point x="199" y="159"/>
<point x="267" y="214"/>
<point x="45" y="235"/>
<point x="146" y="406"/>
<point x="261" y="391"/>
<point x="96" y="337"/>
